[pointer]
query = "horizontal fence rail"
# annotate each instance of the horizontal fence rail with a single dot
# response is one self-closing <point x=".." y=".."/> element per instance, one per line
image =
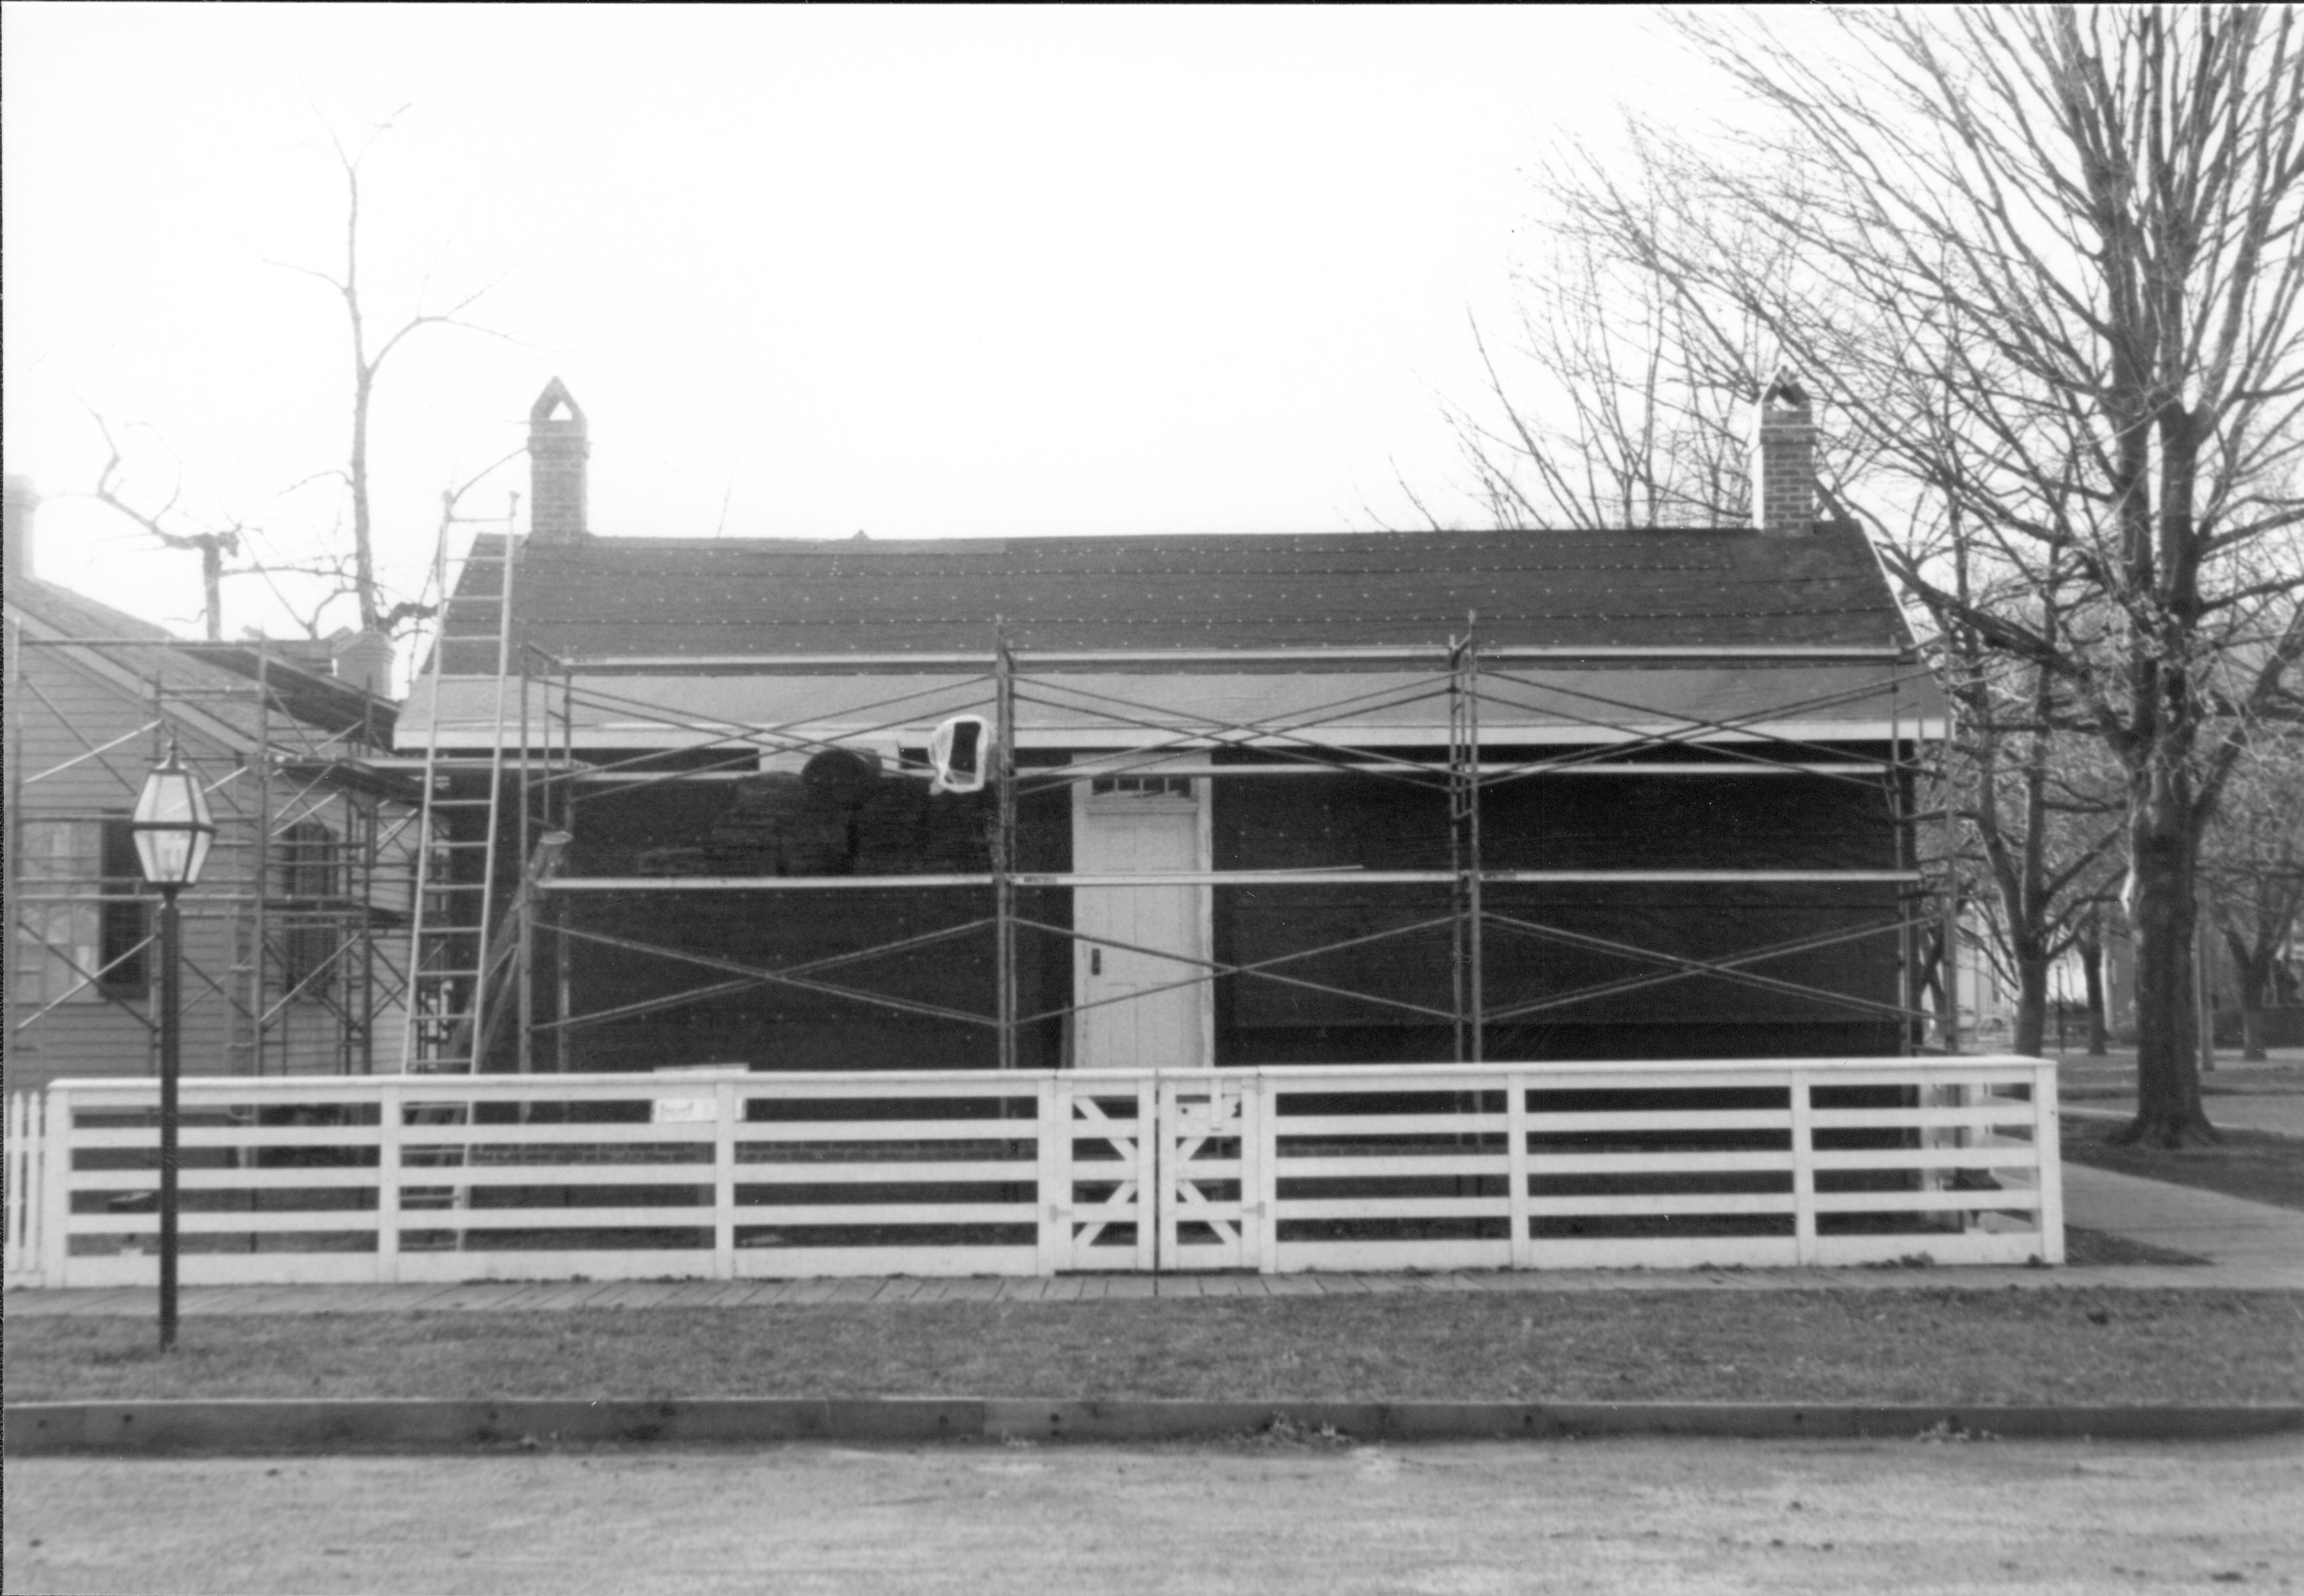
<point x="732" y="1175"/>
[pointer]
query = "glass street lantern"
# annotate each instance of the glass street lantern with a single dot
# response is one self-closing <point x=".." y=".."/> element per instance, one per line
<point x="172" y="827"/>
<point x="173" y="831"/>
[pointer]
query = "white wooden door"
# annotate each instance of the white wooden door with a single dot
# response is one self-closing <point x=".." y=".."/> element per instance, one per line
<point x="1134" y="967"/>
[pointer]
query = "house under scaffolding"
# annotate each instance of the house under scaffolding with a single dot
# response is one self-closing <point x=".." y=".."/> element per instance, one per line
<point x="295" y="942"/>
<point x="1033" y="906"/>
<point x="1338" y="799"/>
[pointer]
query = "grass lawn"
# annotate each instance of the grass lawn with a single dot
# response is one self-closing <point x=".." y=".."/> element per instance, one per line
<point x="2086" y="1080"/>
<point x="2256" y="1165"/>
<point x="2088" y="1248"/>
<point x="1917" y="1345"/>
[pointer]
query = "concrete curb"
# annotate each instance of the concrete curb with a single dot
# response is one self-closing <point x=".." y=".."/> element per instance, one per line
<point x="42" y="1428"/>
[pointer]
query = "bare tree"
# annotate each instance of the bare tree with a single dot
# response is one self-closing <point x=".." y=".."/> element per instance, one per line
<point x="2022" y="818"/>
<point x="2088" y="948"/>
<point x="305" y="587"/>
<point x="1619" y="404"/>
<point x="309" y="573"/>
<point x="2046" y="266"/>
<point x="214" y="544"/>
<point x="1629" y="404"/>
<point x="2043" y="811"/>
<point x="2253" y="864"/>
<point x="369" y="352"/>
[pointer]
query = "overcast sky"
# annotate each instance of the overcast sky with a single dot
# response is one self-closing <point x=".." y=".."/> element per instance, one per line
<point x="920" y="273"/>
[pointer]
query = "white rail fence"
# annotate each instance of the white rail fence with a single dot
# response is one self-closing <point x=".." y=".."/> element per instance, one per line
<point x="732" y="1175"/>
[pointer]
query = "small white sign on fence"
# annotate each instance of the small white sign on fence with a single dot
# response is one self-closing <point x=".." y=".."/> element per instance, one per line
<point x="702" y="1108"/>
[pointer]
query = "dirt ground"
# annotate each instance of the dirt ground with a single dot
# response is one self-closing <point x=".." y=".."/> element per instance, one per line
<point x="1301" y="1516"/>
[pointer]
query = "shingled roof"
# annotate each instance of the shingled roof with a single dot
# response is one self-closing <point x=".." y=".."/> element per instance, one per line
<point x="625" y="597"/>
<point x="187" y="668"/>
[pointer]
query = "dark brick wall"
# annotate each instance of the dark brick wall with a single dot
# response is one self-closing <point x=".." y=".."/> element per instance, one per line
<point x="1562" y="823"/>
<point x="779" y="826"/>
<point x="775" y="826"/>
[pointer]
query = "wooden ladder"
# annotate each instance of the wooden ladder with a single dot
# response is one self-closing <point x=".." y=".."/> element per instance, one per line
<point x="453" y="929"/>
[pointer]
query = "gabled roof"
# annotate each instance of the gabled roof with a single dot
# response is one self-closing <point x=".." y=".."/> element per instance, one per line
<point x="315" y="700"/>
<point x="139" y="650"/>
<point x="625" y="597"/>
<point x="1808" y="633"/>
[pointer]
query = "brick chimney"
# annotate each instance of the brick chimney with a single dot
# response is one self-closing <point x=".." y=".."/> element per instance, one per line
<point x="21" y="501"/>
<point x="556" y="453"/>
<point x="363" y="659"/>
<point x="1783" y="461"/>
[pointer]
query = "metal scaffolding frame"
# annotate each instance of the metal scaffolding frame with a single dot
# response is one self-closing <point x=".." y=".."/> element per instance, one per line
<point x="549" y="780"/>
<point x="308" y="873"/>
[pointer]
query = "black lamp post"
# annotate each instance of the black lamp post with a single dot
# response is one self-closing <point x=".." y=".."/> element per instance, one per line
<point x="173" y="832"/>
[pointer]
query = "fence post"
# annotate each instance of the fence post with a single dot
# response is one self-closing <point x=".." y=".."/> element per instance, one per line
<point x="1151" y="1206"/>
<point x="727" y="1105"/>
<point x="1804" y="1250"/>
<point x="1517" y="1171"/>
<point x="1053" y="1188"/>
<point x="25" y="1175"/>
<point x="1256" y="1149"/>
<point x="20" y="1160"/>
<point x="55" y="1213"/>
<point x="2048" y="1160"/>
<point x="1938" y="1177"/>
<point x="1268" y="1196"/>
<point x="391" y="1113"/>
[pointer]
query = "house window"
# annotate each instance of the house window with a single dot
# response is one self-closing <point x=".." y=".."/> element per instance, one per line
<point x="1140" y="786"/>
<point x="310" y="870"/>
<point x="82" y="929"/>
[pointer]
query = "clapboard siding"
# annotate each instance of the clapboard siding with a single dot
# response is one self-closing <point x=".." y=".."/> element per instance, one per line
<point x="73" y="708"/>
<point x="75" y="702"/>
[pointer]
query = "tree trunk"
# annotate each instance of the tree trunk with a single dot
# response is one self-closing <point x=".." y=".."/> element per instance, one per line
<point x="2162" y="923"/>
<point x="364" y="590"/>
<point x="2254" y="978"/>
<point x="2032" y="1004"/>
<point x="2092" y="971"/>
<point x="212" y="585"/>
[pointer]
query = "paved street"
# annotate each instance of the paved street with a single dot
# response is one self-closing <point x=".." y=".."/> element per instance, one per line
<point x="1903" y="1515"/>
<point x="1644" y="1517"/>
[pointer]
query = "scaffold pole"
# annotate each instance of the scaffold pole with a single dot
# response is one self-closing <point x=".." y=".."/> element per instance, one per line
<point x="1004" y="840"/>
<point x="259" y="867"/>
<point x="1464" y="837"/>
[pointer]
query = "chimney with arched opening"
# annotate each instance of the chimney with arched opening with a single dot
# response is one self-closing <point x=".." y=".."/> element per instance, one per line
<point x="558" y="450"/>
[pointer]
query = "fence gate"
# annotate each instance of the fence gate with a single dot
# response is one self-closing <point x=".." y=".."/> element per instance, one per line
<point x="1102" y="1201"/>
<point x="1209" y="1211"/>
<point x="1157" y="1173"/>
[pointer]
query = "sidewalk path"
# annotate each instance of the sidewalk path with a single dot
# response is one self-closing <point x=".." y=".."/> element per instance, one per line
<point x="2261" y="1244"/>
<point x="2279" y="1112"/>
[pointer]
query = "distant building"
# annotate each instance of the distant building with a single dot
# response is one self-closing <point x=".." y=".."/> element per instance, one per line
<point x="288" y="939"/>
